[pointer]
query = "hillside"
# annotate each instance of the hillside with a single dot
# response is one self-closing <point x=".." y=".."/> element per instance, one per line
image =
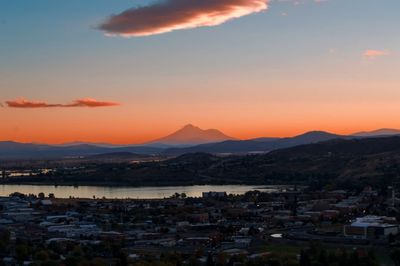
<point x="185" y="140"/>
<point x="16" y="150"/>
<point x="256" y="145"/>
<point x="378" y="132"/>
<point x="337" y="163"/>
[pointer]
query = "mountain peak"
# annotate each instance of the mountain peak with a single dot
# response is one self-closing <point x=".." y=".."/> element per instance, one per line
<point x="316" y="133"/>
<point x="190" y="127"/>
<point x="378" y="132"/>
<point x="192" y="135"/>
<point x="314" y="136"/>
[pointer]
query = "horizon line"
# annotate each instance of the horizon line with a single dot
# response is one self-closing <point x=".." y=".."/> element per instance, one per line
<point x="152" y="141"/>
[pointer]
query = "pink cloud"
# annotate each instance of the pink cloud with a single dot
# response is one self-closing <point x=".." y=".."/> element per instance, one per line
<point x="87" y="102"/>
<point x="375" y="53"/>
<point x="169" y="15"/>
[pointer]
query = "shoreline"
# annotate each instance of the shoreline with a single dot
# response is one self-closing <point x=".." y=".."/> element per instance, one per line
<point x="129" y="185"/>
<point x="142" y="192"/>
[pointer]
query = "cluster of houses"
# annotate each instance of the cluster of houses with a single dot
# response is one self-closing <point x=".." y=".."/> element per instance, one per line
<point x="216" y="222"/>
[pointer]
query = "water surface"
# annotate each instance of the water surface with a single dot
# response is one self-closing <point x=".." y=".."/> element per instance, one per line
<point x="127" y="192"/>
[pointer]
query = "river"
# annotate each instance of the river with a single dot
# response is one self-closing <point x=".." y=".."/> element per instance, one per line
<point x="127" y="192"/>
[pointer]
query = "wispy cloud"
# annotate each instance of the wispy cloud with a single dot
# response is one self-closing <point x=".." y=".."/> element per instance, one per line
<point x="87" y="102"/>
<point x="168" y="15"/>
<point x="374" y="53"/>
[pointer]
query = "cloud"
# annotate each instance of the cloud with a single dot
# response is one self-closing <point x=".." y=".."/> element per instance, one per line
<point x="87" y="102"/>
<point x="22" y="103"/>
<point x="375" y="53"/>
<point x="168" y="15"/>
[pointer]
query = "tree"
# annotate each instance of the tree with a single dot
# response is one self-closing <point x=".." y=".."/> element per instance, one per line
<point x="343" y="258"/>
<point x="21" y="252"/>
<point x="391" y="238"/>
<point x="71" y="261"/>
<point x="322" y="257"/>
<point x="193" y="261"/>
<point x="395" y="256"/>
<point x="332" y="258"/>
<point x="50" y="263"/>
<point x="210" y="260"/>
<point x="77" y="251"/>
<point x="354" y="259"/>
<point x="221" y="260"/>
<point x="42" y="255"/>
<point x="304" y="259"/>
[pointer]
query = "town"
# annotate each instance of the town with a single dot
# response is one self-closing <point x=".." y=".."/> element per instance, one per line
<point x="199" y="133"/>
<point x="294" y="226"/>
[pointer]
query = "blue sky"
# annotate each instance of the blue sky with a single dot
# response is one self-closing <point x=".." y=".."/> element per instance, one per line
<point x="305" y="54"/>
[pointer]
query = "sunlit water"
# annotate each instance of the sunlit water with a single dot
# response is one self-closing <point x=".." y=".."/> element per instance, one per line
<point x="127" y="192"/>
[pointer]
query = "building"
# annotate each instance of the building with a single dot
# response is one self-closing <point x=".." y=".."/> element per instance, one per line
<point x="372" y="227"/>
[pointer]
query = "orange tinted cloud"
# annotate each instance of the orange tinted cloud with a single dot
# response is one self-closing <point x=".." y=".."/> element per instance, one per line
<point x="169" y="15"/>
<point x="87" y="102"/>
<point x="375" y="53"/>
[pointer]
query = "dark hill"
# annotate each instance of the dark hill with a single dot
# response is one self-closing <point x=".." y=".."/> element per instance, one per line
<point x="256" y="145"/>
<point x="16" y="150"/>
<point x="336" y="163"/>
<point x="351" y="147"/>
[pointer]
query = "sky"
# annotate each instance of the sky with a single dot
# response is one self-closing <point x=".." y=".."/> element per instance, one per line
<point x="129" y="71"/>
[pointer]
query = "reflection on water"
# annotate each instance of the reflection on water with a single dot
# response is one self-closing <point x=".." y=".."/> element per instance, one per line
<point x="127" y="192"/>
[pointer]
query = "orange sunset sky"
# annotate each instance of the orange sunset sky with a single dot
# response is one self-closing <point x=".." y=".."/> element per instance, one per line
<point x="260" y="68"/>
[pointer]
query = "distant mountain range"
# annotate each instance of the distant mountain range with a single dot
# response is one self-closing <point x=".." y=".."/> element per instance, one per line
<point x="189" y="139"/>
<point x="378" y="132"/>
<point x="16" y="150"/>
<point x="337" y="164"/>
<point x="256" y="145"/>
